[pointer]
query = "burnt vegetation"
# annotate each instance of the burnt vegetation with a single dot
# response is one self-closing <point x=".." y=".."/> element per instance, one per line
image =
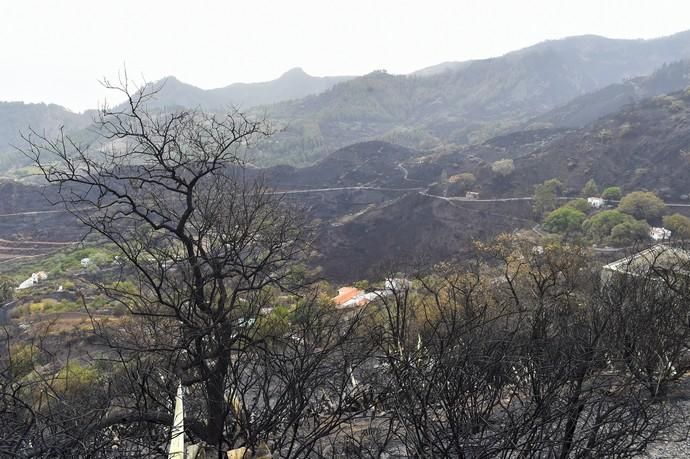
<point x="521" y="351"/>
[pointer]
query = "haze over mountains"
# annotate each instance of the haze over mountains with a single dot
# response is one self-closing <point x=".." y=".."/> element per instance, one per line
<point x="293" y="84"/>
<point x="18" y="116"/>
<point x="588" y="107"/>
<point x="472" y="103"/>
<point x="171" y="93"/>
<point x="445" y="106"/>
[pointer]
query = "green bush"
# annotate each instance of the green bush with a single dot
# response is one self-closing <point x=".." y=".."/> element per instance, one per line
<point x="580" y="204"/>
<point x="679" y="225"/>
<point x="612" y="193"/>
<point x="598" y="227"/>
<point x="642" y="205"/>
<point x="74" y="378"/>
<point x="630" y="232"/>
<point x="50" y="305"/>
<point x="565" y="220"/>
<point x="590" y="189"/>
<point x="544" y="199"/>
<point x="23" y="357"/>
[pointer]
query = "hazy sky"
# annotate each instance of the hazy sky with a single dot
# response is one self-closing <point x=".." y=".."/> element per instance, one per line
<point x="57" y="50"/>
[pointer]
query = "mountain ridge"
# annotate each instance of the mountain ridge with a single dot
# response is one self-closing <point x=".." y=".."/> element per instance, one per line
<point x="468" y="105"/>
<point x="292" y="84"/>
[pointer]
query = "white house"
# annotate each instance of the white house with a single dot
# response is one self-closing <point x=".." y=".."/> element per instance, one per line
<point x="26" y="284"/>
<point x="595" y="203"/>
<point x="350" y="297"/>
<point x="360" y="300"/>
<point x="85" y="262"/>
<point x="34" y="279"/>
<point x="659" y="234"/>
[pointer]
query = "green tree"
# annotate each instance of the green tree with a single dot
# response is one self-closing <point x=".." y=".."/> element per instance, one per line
<point x="590" y="189"/>
<point x="74" y="378"/>
<point x="642" y="205"/>
<point x="564" y="220"/>
<point x="629" y="232"/>
<point x="678" y="224"/>
<point x="544" y="199"/>
<point x="612" y="193"/>
<point x="599" y="226"/>
<point x="580" y="204"/>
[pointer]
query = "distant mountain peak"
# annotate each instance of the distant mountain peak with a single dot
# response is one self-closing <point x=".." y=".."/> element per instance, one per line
<point x="171" y="82"/>
<point x="166" y="79"/>
<point x="296" y="72"/>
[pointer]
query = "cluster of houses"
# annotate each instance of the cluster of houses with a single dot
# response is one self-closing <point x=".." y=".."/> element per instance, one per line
<point x="39" y="276"/>
<point x="657" y="234"/>
<point x="659" y="255"/>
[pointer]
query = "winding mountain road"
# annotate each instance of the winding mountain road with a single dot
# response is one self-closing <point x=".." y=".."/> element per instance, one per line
<point x="419" y="190"/>
<point x="404" y="171"/>
<point x="342" y="188"/>
<point x="34" y="212"/>
<point x="422" y="191"/>
<point x="55" y="243"/>
<point x="461" y="199"/>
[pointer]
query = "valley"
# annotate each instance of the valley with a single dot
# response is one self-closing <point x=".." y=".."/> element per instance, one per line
<point x="484" y="258"/>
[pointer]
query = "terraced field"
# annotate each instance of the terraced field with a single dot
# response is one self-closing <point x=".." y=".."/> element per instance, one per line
<point x="15" y="250"/>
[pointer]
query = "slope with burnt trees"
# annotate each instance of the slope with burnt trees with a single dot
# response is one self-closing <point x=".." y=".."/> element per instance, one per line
<point x="642" y="146"/>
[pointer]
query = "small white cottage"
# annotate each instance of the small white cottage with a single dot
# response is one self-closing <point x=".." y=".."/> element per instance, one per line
<point x="595" y="203"/>
<point x="659" y="234"/>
